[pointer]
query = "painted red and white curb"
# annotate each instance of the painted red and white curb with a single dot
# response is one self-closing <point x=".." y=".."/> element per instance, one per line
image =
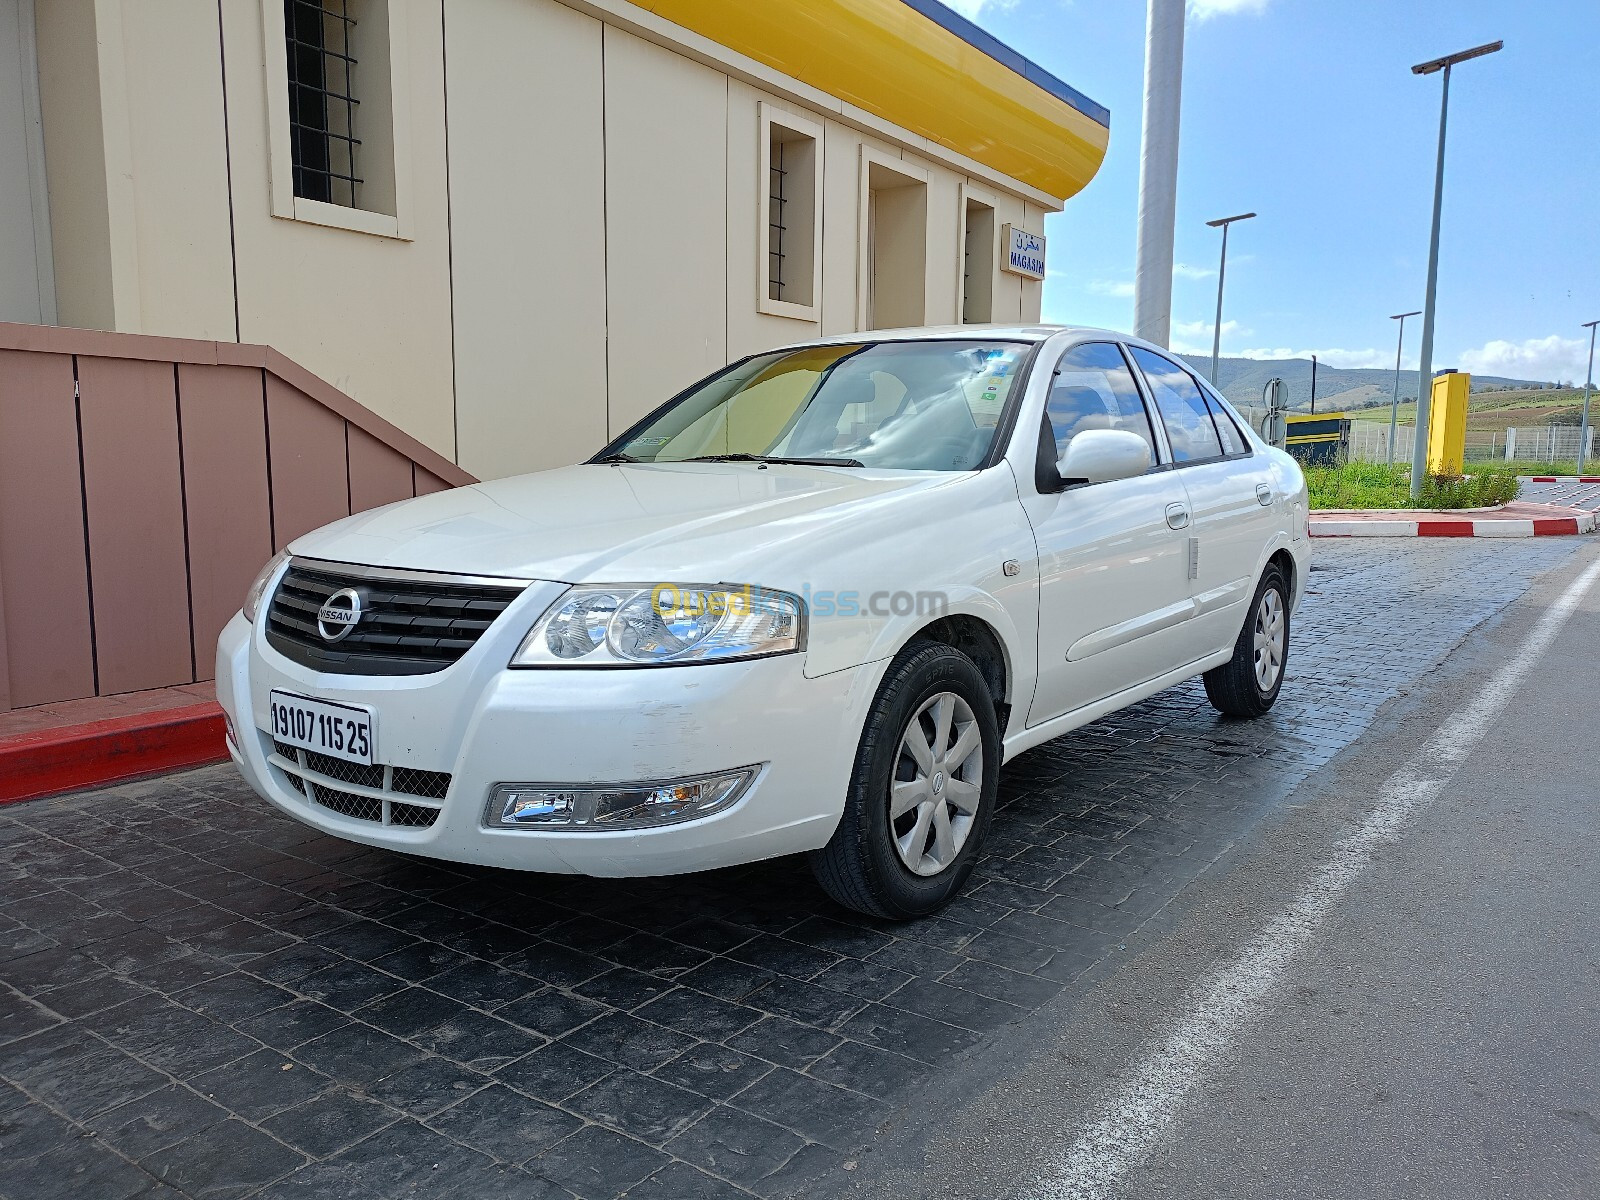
<point x="98" y="753"/>
<point x="1560" y="478"/>
<point x="1519" y="519"/>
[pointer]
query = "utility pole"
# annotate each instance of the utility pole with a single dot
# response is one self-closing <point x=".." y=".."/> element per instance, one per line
<point x="1313" y="383"/>
<point x="1419" y="452"/>
<point x="1222" y="273"/>
<point x="1158" y="171"/>
<point x="1583" y="430"/>
<point x="1394" y="410"/>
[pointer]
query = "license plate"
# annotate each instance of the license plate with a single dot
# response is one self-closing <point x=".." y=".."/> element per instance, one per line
<point x="338" y="730"/>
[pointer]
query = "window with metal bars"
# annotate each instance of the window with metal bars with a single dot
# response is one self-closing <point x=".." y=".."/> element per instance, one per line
<point x="777" y="202"/>
<point x="791" y="214"/>
<point x="977" y="264"/>
<point x="322" y="102"/>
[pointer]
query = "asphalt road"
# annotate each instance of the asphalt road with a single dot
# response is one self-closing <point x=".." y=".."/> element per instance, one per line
<point x="1429" y="1028"/>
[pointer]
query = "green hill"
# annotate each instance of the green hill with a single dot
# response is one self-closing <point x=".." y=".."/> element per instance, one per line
<point x="1338" y="389"/>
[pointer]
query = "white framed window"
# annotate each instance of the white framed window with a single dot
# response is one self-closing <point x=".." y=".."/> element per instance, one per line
<point x="892" y="262"/>
<point x="336" y="111"/>
<point x="979" y="234"/>
<point x="791" y="215"/>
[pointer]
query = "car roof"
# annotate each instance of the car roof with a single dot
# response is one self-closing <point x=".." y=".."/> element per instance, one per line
<point x="1012" y="333"/>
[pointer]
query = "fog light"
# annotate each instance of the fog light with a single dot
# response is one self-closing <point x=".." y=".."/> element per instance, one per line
<point x="615" y="806"/>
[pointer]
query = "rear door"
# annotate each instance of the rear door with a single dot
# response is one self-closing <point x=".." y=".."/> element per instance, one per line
<point x="1230" y="494"/>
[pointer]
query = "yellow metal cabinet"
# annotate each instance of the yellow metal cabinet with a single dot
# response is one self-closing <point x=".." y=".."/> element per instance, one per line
<point x="1447" y="422"/>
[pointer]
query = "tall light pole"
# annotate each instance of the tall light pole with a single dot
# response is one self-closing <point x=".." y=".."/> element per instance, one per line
<point x="1419" y="452"/>
<point x="1583" y="430"/>
<point x="1394" y="410"/>
<point x="1158" y="171"/>
<point x="1222" y="273"/>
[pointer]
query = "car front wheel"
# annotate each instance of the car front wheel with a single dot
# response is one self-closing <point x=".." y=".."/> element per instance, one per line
<point x="922" y="792"/>
<point x="1247" y="684"/>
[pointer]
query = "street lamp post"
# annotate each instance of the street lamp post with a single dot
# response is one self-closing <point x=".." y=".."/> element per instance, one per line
<point x="1419" y="452"/>
<point x="1394" y="410"/>
<point x="1222" y="271"/>
<point x="1583" y="429"/>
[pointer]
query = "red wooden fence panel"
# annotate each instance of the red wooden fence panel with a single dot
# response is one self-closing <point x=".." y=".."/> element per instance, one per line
<point x="426" y="482"/>
<point x="305" y="449"/>
<point x="378" y="475"/>
<point x="224" y="429"/>
<point x="48" y="651"/>
<point x="138" y="557"/>
<point x="143" y="483"/>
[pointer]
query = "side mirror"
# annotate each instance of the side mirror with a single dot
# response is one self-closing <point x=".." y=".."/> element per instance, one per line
<point x="1102" y="456"/>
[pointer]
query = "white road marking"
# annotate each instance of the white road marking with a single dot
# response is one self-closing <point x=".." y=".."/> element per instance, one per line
<point x="1149" y="1099"/>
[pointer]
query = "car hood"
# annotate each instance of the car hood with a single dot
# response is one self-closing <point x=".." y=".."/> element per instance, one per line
<point x="691" y="522"/>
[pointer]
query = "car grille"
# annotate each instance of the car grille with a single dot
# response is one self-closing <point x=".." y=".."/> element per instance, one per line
<point x="398" y="796"/>
<point x="407" y="627"/>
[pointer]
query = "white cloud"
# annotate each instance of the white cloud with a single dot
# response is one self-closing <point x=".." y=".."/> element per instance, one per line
<point x="1333" y="357"/>
<point x="1185" y="271"/>
<point x="1204" y="10"/>
<point x="973" y="9"/>
<point x="1194" y="337"/>
<point x="1122" y="289"/>
<point x="1548" y="358"/>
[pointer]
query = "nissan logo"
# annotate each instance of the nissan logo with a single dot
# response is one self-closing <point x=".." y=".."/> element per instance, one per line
<point x="339" y="614"/>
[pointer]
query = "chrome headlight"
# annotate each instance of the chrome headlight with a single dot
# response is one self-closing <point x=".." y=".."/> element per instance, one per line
<point x="664" y="624"/>
<point x="258" y="589"/>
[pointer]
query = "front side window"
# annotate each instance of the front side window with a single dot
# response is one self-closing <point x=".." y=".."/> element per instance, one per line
<point x="1093" y="389"/>
<point x="917" y="406"/>
<point x="1183" y="409"/>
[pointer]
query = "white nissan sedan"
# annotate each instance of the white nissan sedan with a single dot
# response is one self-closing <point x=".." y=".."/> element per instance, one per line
<point x="810" y="605"/>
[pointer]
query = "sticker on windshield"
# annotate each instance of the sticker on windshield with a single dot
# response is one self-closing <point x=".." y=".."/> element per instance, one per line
<point x="987" y="396"/>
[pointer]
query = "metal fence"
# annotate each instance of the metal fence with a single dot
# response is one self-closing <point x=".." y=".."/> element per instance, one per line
<point x="1369" y="442"/>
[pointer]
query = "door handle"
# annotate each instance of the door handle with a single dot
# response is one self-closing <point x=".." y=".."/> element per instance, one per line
<point x="1263" y="494"/>
<point x="1177" y="516"/>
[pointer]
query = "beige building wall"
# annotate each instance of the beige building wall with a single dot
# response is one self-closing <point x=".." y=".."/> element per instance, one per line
<point x="528" y="233"/>
<point x="666" y="213"/>
<point x="27" y="276"/>
<point x="572" y="233"/>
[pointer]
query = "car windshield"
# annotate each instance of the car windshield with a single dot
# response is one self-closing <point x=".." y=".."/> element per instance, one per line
<point x="916" y="406"/>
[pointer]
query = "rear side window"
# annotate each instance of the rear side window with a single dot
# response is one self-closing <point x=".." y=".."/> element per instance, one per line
<point x="1233" y="440"/>
<point x="1183" y="408"/>
<point x="1093" y="389"/>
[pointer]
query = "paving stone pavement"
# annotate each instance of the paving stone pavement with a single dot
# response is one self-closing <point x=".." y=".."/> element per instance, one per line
<point x="202" y="997"/>
<point x="1575" y="495"/>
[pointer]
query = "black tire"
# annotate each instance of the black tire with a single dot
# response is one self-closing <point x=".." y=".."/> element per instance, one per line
<point x="1234" y="688"/>
<point x="861" y="866"/>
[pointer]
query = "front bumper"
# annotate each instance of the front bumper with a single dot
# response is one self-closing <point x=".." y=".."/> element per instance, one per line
<point x="487" y="725"/>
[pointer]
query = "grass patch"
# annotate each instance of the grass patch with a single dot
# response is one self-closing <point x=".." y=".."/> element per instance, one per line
<point x="1377" y="485"/>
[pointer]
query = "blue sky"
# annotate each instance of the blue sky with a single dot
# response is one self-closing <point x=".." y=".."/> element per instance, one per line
<point x="1306" y="112"/>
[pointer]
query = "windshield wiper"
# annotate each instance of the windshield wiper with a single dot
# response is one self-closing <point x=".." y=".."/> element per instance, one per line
<point x="742" y="456"/>
<point x="617" y="456"/>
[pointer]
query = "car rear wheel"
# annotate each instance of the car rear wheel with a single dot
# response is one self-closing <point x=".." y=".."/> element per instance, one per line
<point x="922" y="791"/>
<point x="1247" y="685"/>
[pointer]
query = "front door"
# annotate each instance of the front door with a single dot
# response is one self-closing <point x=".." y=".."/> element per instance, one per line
<point x="1113" y="588"/>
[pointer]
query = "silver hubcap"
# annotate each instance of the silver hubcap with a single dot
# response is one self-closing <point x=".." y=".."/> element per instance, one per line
<point x="1269" y="639"/>
<point x="938" y="781"/>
